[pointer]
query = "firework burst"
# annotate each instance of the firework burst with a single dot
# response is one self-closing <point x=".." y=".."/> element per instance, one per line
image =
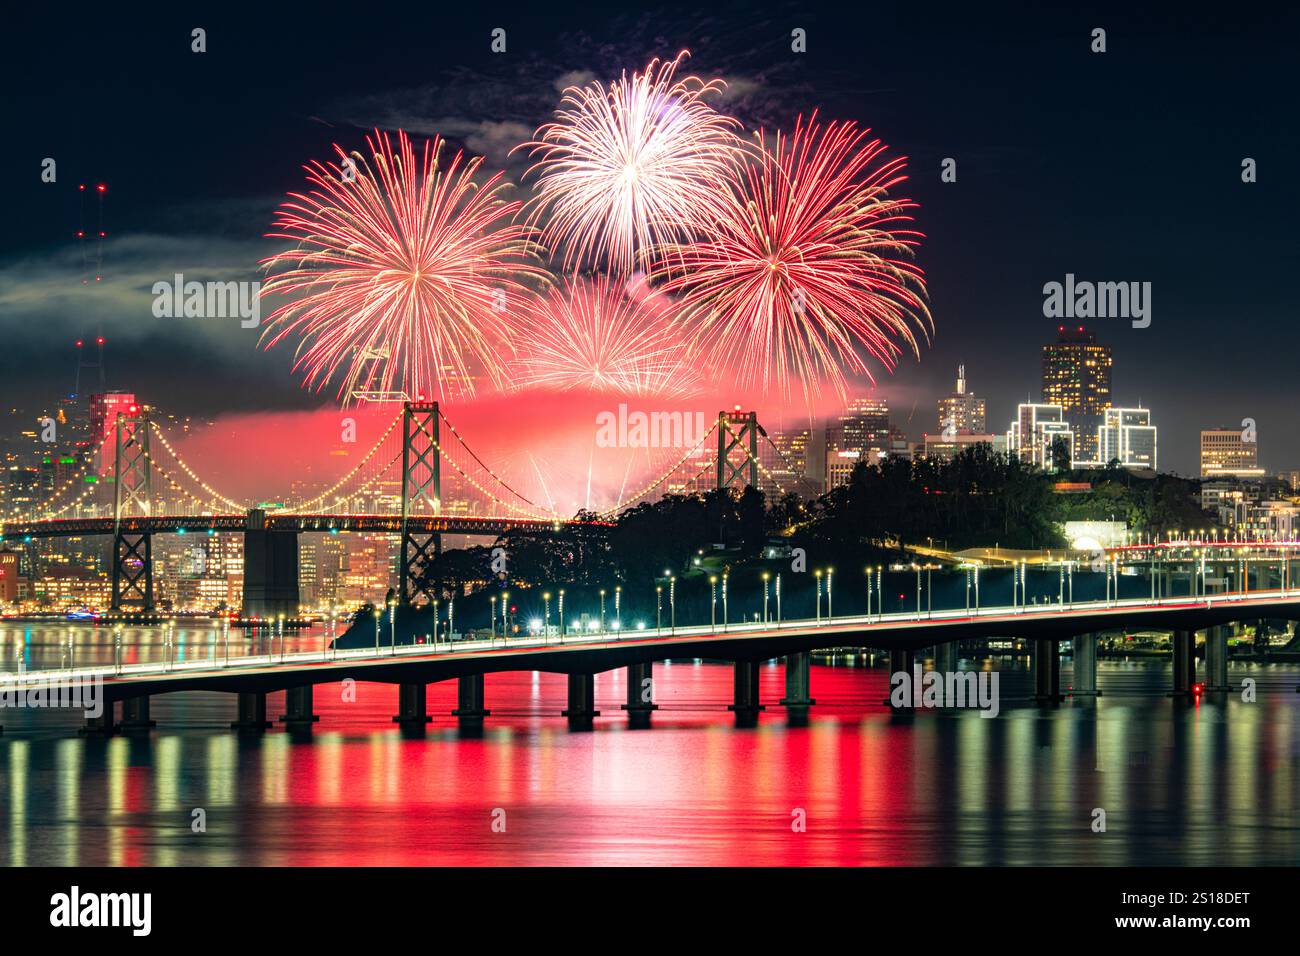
<point x="404" y="273"/>
<point x="808" y="268"/>
<point x="596" y="335"/>
<point x="631" y="166"/>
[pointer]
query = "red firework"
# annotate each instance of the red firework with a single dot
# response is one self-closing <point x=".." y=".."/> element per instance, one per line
<point x="405" y="273"/>
<point x="808" y="268"/>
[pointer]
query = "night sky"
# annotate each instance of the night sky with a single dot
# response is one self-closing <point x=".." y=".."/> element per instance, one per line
<point x="1122" y="166"/>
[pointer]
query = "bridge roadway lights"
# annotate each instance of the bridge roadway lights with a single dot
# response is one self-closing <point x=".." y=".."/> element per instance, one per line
<point x="900" y="661"/>
<point x="582" y="701"/>
<point x="745" y="686"/>
<point x="135" y="716"/>
<point x="798" y="689"/>
<point x="1184" y="663"/>
<point x="470" y="711"/>
<point x="297" y="708"/>
<point x="1084" y="650"/>
<point x="251" y="714"/>
<point x="640" y="703"/>
<point x="1216" y="658"/>
<point x="1045" y="656"/>
<point x="412" y="712"/>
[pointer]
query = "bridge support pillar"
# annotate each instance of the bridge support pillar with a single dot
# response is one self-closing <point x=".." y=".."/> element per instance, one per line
<point x="297" y="708"/>
<point x="745" y="696"/>
<point x="901" y="661"/>
<point x="1216" y="658"/>
<point x="470" y="711"/>
<point x="1045" y="656"/>
<point x="1085" y="666"/>
<point x="640" y="695"/>
<point x="251" y="715"/>
<point x="1184" y="663"/>
<point x="135" y="716"/>
<point x="945" y="657"/>
<point x="412" y="710"/>
<point x="582" y="701"/>
<point x="103" y="725"/>
<point x="270" y="570"/>
<point x="798" y="689"/>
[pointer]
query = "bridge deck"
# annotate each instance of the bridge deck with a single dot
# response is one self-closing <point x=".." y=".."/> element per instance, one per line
<point x="600" y="652"/>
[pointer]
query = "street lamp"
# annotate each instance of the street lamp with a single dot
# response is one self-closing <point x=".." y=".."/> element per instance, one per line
<point x="766" y="576"/>
<point x="602" y="610"/>
<point x="726" y="617"/>
<point x="492" y="618"/>
<point x="378" y="615"/>
<point x="830" y="601"/>
<point x="818" y="575"/>
<point x="618" y="602"/>
<point x="392" y="629"/>
<point x="672" y="602"/>
<point x="546" y="618"/>
<point x="713" y="601"/>
<point x="778" y="600"/>
<point x="560" y="622"/>
<point x="505" y="615"/>
<point x="659" y="607"/>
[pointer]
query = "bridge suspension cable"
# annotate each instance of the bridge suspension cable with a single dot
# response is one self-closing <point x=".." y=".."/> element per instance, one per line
<point x="540" y="509"/>
<point x="651" y="486"/>
<point x="216" y="495"/>
<point x="332" y="489"/>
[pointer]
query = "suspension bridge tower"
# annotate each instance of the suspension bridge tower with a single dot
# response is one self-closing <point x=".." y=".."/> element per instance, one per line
<point x="737" y="464"/>
<point x="421" y="488"/>
<point x="132" y="497"/>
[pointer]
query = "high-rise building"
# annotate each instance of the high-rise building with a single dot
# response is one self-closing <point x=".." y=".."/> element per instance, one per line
<point x="1076" y="377"/>
<point x="104" y="409"/>
<point x="863" y="425"/>
<point x="1034" y="432"/>
<point x="1127" y="436"/>
<point x="1230" y="452"/>
<point x="860" y="433"/>
<point x="961" y="413"/>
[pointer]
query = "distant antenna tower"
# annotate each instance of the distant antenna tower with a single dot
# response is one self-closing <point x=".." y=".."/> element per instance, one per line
<point x="83" y="361"/>
<point x="99" y="191"/>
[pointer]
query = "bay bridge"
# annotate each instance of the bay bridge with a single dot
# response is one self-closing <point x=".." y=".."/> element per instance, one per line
<point x="430" y="446"/>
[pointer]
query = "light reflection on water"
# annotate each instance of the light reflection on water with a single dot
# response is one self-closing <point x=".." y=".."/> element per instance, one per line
<point x="1180" y="784"/>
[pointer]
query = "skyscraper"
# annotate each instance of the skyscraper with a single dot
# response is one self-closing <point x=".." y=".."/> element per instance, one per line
<point x="1076" y="377"/>
<point x="1034" y="431"/>
<point x="1229" y="452"/>
<point x="961" y="413"/>
<point x="1127" y="436"/>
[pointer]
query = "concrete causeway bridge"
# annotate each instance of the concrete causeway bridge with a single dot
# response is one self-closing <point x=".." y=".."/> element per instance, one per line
<point x="902" y="635"/>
